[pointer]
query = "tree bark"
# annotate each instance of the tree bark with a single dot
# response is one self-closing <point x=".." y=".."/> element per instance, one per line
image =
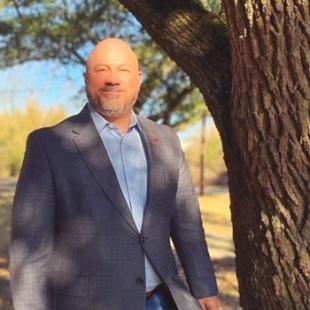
<point x="270" y="113"/>
<point x="264" y="126"/>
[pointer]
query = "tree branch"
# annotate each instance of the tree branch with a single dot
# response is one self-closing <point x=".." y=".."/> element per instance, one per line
<point x="196" y="40"/>
<point x="19" y="14"/>
<point x="73" y="51"/>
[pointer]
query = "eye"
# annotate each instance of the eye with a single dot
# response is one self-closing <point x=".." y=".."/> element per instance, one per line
<point x="124" y="70"/>
<point x="101" y="69"/>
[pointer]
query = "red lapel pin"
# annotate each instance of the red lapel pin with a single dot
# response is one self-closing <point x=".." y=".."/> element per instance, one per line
<point x="155" y="140"/>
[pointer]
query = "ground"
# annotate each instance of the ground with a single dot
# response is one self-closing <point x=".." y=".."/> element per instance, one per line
<point x="216" y="219"/>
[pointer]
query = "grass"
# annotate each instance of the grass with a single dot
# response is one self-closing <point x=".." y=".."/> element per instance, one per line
<point x="216" y="220"/>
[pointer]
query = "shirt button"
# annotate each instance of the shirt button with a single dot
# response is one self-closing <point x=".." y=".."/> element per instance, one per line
<point x="139" y="281"/>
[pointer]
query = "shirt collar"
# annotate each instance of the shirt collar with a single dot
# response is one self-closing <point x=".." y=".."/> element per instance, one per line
<point x="101" y="123"/>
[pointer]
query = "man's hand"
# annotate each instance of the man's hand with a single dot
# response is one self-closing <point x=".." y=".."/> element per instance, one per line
<point x="210" y="303"/>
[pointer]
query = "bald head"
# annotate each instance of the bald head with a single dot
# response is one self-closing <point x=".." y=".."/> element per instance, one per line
<point x="113" y="79"/>
<point x="112" y="47"/>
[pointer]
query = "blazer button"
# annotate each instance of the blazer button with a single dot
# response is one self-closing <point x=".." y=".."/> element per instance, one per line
<point x="139" y="281"/>
<point x="143" y="239"/>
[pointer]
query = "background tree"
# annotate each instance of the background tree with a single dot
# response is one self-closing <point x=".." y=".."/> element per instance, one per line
<point x="215" y="169"/>
<point x="263" y="120"/>
<point x="65" y="31"/>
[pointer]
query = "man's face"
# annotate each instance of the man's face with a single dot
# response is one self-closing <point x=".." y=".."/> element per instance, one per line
<point x="113" y="79"/>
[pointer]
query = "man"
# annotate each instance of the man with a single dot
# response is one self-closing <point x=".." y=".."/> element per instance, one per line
<point x="99" y="197"/>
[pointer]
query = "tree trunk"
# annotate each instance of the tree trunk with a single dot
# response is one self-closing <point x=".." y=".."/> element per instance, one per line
<point x="264" y="126"/>
<point x="271" y="95"/>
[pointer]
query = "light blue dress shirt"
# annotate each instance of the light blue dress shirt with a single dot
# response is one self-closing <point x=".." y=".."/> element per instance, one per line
<point x="128" y="159"/>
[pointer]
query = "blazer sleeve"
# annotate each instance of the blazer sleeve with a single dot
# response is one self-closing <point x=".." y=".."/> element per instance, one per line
<point x="188" y="236"/>
<point x="32" y="230"/>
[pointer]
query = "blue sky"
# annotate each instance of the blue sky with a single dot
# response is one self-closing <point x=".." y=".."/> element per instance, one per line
<point x="48" y="83"/>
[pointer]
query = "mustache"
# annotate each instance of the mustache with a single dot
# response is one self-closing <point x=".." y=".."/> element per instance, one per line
<point x="108" y="88"/>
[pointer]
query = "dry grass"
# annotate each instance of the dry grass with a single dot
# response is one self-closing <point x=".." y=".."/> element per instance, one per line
<point x="216" y="214"/>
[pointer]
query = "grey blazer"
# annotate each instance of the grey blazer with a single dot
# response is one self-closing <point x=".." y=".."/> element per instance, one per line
<point x="74" y="243"/>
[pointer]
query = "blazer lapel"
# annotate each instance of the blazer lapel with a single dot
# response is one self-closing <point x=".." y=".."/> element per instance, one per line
<point x="93" y="152"/>
<point x="157" y="173"/>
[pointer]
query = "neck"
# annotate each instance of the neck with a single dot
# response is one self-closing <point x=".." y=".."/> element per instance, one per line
<point x="122" y="123"/>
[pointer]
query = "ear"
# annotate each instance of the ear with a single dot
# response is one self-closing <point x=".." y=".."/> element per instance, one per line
<point x="85" y="76"/>
<point x="141" y="77"/>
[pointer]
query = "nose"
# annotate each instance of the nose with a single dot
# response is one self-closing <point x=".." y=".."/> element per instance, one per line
<point x="112" y="78"/>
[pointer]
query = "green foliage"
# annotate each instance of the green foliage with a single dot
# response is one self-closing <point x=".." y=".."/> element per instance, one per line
<point x="65" y="31"/>
<point x="16" y="124"/>
<point x="214" y="6"/>
<point x="55" y="30"/>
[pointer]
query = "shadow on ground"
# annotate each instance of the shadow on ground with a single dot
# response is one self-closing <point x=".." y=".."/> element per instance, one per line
<point x="7" y="188"/>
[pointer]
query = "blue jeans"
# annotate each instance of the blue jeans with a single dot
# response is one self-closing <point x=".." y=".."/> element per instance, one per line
<point x="160" y="300"/>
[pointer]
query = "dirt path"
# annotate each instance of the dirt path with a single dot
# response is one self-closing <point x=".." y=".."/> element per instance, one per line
<point x="216" y="219"/>
<point x="7" y="187"/>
